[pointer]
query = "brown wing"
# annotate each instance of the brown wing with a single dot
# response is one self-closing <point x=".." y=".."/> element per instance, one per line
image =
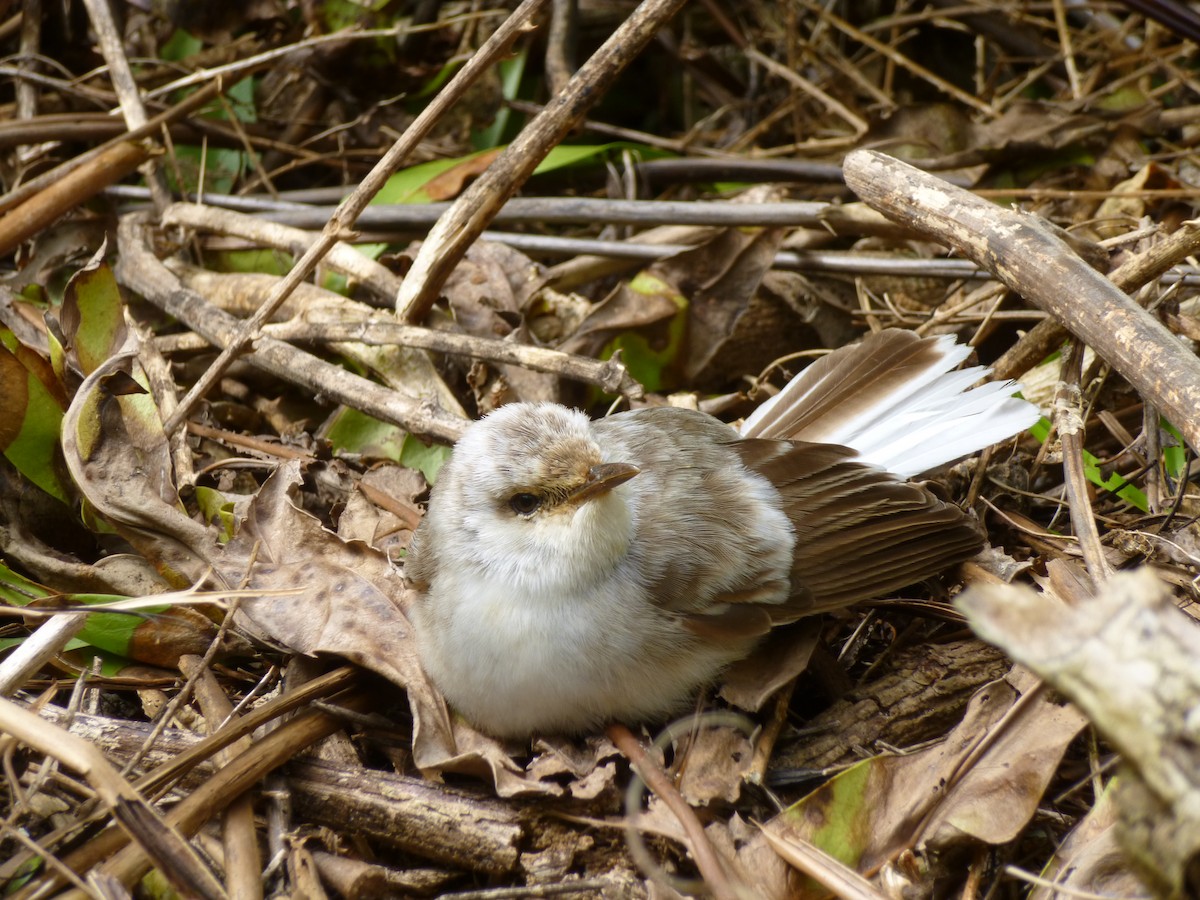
<point x="860" y="531"/>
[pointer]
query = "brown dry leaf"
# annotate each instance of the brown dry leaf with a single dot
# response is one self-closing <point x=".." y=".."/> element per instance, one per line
<point x="29" y="515"/>
<point x="868" y="814"/>
<point x="487" y="293"/>
<point x="1028" y="126"/>
<point x="754" y="853"/>
<point x="590" y="764"/>
<point x="1090" y="859"/>
<point x="921" y="131"/>
<point x="1127" y="656"/>
<point x="715" y="765"/>
<point x="823" y="875"/>
<point x="482" y="756"/>
<point x="387" y="517"/>
<point x="642" y="304"/>
<point x="1127" y="199"/>
<point x="999" y="795"/>
<point x="998" y="563"/>
<point x="450" y="183"/>
<point x="487" y="290"/>
<point x="350" y="601"/>
<point x="727" y="316"/>
<point x="784" y="655"/>
<point x="118" y="456"/>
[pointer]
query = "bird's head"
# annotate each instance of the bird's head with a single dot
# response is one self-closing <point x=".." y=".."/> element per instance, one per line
<point x="532" y="496"/>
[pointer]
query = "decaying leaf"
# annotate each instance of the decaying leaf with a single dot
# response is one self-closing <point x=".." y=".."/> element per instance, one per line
<point x="1090" y="859"/>
<point x="982" y="784"/>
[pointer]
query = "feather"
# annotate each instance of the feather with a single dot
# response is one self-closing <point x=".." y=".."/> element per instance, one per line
<point x="896" y="400"/>
<point x="860" y="531"/>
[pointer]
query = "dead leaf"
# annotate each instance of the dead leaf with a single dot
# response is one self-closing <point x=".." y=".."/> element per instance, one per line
<point x="118" y="456"/>
<point x="866" y="815"/>
<point x="351" y="602"/>
<point x="1090" y="859"/>
<point x="784" y="655"/>
<point x="715" y="765"/>
<point x="450" y="183"/>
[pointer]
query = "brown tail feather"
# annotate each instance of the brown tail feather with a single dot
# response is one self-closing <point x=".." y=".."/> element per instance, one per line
<point x="846" y="382"/>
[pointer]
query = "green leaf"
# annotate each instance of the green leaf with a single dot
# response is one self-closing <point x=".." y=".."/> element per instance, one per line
<point x="511" y="71"/>
<point x="93" y="316"/>
<point x="114" y="632"/>
<point x="1114" y="483"/>
<point x="218" y="509"/>
<point x="409" y="185"/>
<point x="1174" y="458"/>
<point x="32" y="403"/>
<point x="566" y="155"/>
<point x="440" y="77"/>
<point x="179" y="46"/>
<point x="646" y="363"/>
<point x="218" y="167"/>
<point x="427" y="458"/>
<point x="107" y="631"/>
<point x="351" y="431"/>
<point x="241" y="102"/>
<point x="844" y="809"/>
<point x="84" y="655"/>
<point x="261" y="262"/>
<point x="17" y="590"/>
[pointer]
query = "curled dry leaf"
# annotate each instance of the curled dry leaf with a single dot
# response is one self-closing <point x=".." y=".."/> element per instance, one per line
<point x="715" y="765"/>
<point x="1127" y="657"/>
<point x="118" y="456"/>
<point x="1090" y="859"/>
<point x="487" y="293"/>
<point x="728" y="320"/>
<point x="784" y="655"/>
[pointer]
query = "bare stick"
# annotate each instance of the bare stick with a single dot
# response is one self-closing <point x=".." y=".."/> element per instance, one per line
<point x="155" y="837"/>
<point x="1044" y="337"/>
<point x="1068" y="419"/>
<point x="472" y="212"/>
<point x="141" y="270"/>
<point x="102" y="159"/>
<point x="610" y="375"/>
<point x="715" y="877"/>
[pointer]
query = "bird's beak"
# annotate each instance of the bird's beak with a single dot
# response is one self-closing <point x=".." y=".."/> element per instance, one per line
<point x="603" y="478"/>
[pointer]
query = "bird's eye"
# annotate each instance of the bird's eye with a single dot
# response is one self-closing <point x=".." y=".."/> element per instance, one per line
<point x="524" y="504"/>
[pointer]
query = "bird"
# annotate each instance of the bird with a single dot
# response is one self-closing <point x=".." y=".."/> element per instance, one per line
<point x="571" y="572"/>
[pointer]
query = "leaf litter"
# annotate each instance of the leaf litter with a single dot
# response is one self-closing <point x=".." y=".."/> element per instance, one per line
<point x="888" y="738"/>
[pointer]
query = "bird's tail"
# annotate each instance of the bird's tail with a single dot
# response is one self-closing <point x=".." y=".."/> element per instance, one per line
<point x="895" y="399"/>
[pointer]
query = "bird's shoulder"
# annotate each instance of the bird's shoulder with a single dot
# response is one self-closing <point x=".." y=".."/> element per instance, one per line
<point x="711" y="532"/>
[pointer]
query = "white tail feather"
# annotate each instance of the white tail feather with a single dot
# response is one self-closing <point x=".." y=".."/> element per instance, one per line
<point x="923" y="416"/>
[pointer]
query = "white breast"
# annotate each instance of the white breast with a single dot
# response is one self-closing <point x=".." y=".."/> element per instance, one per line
<point x="529" y="650"/>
